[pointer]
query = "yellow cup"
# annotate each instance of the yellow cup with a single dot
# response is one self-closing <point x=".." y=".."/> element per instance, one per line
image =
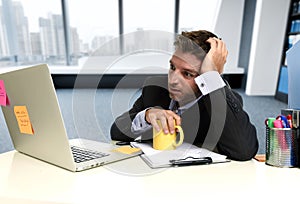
<point x="162" y="141"/>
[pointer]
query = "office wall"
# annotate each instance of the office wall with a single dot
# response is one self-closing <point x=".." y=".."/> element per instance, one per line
<point x="266" y="47"/>
<point x="229" y="27"/>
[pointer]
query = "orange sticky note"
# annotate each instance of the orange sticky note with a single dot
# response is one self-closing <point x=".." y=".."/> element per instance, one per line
<point x="127" y="150"/>
<point x="4" y="101"/>
<point x="24" y="123"/>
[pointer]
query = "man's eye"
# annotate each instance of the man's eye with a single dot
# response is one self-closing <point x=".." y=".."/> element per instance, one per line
<point x="172" y="67"/>
<point x="188" y="75"/>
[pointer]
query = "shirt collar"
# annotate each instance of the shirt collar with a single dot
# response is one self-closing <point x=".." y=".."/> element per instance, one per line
<point x="186" y="106"/>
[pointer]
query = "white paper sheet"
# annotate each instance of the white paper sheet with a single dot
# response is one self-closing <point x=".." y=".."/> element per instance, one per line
<point x="156" y="158"/>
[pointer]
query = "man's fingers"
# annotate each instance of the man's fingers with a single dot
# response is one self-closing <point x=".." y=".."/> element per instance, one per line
<point x="166" y="118"/>
<point x="177" y="120"/>
<point x="164" y="125"/>
<point x="155" y="125"/>
<point x="216" y="57"/>
<point x="171" y="124"/>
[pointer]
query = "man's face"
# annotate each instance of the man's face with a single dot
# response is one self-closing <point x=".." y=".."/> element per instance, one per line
<point x="184" y="68"/>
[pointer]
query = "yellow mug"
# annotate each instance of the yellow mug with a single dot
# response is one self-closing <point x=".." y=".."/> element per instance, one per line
<point x="162" y="141"/>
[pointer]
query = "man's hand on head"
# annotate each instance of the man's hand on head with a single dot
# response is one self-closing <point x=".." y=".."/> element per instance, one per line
<point x="216" y="57"/>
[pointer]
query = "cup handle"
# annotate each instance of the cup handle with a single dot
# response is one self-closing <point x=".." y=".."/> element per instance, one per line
<point x="181" y="137"/>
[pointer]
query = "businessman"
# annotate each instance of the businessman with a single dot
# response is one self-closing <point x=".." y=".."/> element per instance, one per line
<point x="194" y="95"/>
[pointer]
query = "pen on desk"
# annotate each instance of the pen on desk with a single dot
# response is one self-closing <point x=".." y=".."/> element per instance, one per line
<point x="121" y="143"/>
<point x="269" y="122"/>
<point x="277" y="124"/>
<point x="289" y="119"/>
<point x="195" y="161"/>
<point x="283" y="121"/>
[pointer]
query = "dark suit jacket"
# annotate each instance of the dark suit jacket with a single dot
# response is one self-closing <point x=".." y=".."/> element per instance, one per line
<point x="216" y="122"/>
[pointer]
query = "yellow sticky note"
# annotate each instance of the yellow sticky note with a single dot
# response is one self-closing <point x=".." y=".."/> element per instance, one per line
<point x="127" y="150"/>
<point x="22" y="117"/>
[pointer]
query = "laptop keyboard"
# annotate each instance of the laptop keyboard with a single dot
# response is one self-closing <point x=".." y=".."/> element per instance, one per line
<point x="81" y="154"/>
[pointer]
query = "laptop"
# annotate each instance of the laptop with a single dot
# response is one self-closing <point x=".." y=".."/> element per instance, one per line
<point x="36" y="126"/>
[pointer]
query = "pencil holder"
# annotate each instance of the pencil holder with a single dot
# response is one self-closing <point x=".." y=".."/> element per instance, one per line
<point x="282" y="147"/>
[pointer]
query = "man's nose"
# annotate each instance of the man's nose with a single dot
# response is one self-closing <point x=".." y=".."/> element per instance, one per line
<point x="174" y="77"/>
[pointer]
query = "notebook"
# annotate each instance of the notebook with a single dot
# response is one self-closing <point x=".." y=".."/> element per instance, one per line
<point x="36" y="126"/>
<point x="188" y="152"/>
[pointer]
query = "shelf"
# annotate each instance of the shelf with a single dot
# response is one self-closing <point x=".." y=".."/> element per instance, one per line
<point x="282" y="82"/>
<point x="295" y="16"/>
<point x="294" y="33"/>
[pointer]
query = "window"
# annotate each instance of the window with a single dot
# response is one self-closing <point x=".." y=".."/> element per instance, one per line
<point x="148" y="15"/>
<point x="32" y="32"/>
<point x="148" y="35"/>
<point x="198" y="14"/>
<point x="93" y="24"/>
<point x="283" y="80"/>
<point x="62" y="32"/>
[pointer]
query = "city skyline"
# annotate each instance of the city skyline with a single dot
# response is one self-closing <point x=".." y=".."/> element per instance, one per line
<point x="17" y="42"/>
<point x="29" y="33"/>
<point x="48" y="43"/>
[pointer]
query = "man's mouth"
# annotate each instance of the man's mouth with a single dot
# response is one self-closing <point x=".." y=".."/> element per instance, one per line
<point x="174" y="90"/>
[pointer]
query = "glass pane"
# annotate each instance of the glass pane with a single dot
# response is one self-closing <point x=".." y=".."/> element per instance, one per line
<point x="283" y="80"/>
<point x="141" y="16"/>
<point x="31" y="32"/>
<point x="148" y="15"/>
<point x="148" y="34"/>
<point x="198" y="15"/>
<point x="93" y="24"/>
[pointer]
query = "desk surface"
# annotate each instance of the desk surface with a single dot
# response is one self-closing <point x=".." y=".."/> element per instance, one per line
<point x="27" y="180"/>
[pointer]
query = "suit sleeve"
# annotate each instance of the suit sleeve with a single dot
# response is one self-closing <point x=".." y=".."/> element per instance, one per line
<point x="230" y="129"/>
<point x="154" y="94"/>
<point x="238" y="138"/>
<point x="121" y="128"/>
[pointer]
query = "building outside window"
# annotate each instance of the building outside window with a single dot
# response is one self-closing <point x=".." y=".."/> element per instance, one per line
<point x="34" y="31"/>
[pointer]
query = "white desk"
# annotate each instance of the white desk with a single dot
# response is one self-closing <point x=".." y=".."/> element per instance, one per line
<point x="27" y="180"/>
